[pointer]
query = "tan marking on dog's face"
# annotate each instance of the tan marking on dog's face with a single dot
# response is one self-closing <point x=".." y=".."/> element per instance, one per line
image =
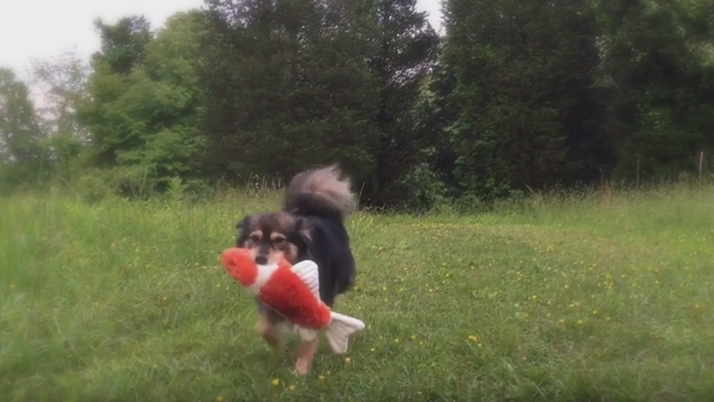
<point x="291" y="253"/>
<point x="273" y="256"/>
<point x="279" y="240"/>
<point x="255" y="237"/>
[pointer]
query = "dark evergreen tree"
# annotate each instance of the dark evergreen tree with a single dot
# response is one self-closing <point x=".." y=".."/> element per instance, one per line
<point x="523" y="73"/>
<point x="288" y="88"/>
<point x="656" y="80"/>
<point x="404" y="54"/>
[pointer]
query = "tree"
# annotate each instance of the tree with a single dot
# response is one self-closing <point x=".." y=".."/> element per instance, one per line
<point x="123" y="43"/>
<point x="146" y="105"/>
<point x="62" y="81"/>
<point x="657" y="81"/>
<point x="167" y="100"/>
<point x="122" y="48"/>
<point x="405" y="52"/>
<point x="20" y="132"/>
<point x="522" y="93"/>
<point x="287" y="88"/>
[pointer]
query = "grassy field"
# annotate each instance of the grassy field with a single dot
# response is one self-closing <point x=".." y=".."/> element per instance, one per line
<point x="599" y="299"/>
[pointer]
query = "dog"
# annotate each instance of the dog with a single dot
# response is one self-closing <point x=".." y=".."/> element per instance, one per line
<point x="311" y="225"/>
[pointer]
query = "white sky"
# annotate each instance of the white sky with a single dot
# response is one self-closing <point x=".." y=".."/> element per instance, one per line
<point x="42" y="29"/>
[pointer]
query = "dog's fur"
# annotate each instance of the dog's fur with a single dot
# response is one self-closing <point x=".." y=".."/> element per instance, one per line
<point x="310" y="226"/>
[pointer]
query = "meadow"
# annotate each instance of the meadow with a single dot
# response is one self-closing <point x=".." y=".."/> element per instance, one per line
<point x="592" y="298"/>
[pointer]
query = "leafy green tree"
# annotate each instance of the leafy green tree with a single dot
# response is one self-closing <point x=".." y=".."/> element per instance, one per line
<point x="112" y="130"/>
<point x="145" y="118"/>
<point x="21" y="152"/>
<point x="20" y="133"/>
<point x="62" y="83"/>
<point x="123" y="44"/>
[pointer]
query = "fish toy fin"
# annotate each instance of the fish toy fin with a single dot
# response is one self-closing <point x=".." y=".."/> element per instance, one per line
<point x="306" y="334"/>
<point x="339" y="330"/>
<point x="307" y="272"/>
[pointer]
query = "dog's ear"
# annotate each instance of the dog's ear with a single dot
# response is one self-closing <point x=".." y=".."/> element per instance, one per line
<point x="243" y="229"/>
<point x="302" y="227"/>
<point x="241" y="224"/>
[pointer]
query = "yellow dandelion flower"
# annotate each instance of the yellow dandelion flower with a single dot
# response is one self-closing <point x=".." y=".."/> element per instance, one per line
<point x="413" y="337"/>
<point x="371" y="350"/>
<point x="348" y="360"/>
<point x="473" y="338"/>
<point x="580" y="322"/>
<point x="276" y="381"/>
<point x="594" y="312"/>
<point x="321" y="377"/>
<point x="219" y="398"/>
<point x="291" y="388"/>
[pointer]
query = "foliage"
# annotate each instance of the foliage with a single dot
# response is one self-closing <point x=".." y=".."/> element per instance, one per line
<point x="404" y="52"/>
<point x="522" y="92"/>
<point x="19" y="130"/>
<point x="62" y="83"/>
<point x="657" y="83"/>
<point x="286" y="88"/>
<point x="514" y="98"/>
<point x="21" y="153"/>
<point x="144" y="112"/>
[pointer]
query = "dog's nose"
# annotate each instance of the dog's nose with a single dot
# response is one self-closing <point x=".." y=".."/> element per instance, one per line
<point x="261" y="259"/>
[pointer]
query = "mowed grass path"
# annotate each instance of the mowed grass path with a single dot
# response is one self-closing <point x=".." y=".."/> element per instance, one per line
<point x="591" y="300"/>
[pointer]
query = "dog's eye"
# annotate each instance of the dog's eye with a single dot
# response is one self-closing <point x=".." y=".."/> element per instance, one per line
<point x="255" y="238"/>
<point x="279" y="241"/>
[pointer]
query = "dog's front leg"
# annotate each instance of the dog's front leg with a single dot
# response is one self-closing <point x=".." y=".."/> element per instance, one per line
<point x="269" y="331"/>
<point x="305" y="354"/>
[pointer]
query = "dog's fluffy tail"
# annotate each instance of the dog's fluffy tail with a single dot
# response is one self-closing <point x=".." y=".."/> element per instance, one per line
<point x="324" y="192"/>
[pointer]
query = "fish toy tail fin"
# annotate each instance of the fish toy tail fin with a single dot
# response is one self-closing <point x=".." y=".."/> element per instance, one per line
<point x="339" y="331"/>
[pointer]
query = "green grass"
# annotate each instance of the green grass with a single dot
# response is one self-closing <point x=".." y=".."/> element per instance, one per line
<point x="573" y="300"/>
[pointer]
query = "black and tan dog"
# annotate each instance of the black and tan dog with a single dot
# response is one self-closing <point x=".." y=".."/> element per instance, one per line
<point x="310" y="226"/>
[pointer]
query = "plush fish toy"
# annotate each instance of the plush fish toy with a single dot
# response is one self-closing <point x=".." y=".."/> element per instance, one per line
<point x="293" y="292"/>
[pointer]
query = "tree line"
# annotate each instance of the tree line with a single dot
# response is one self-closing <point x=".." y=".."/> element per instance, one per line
<point x="513" y="96"/>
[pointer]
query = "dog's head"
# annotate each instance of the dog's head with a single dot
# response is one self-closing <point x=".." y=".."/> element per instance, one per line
<point x="272" y="236"/>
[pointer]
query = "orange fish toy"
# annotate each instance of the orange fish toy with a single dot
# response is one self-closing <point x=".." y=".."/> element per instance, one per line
<point x="293" y="292"/>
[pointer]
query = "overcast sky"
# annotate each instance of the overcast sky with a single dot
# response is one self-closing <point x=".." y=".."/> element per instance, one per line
<point x="45" y="28"/>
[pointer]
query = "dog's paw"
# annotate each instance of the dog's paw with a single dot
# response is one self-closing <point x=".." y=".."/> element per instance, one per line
<point x="301" y="368"/>
<point x="269" y="334"/>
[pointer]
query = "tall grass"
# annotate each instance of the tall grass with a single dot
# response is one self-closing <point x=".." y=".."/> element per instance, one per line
<point x="589" y="297"/>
